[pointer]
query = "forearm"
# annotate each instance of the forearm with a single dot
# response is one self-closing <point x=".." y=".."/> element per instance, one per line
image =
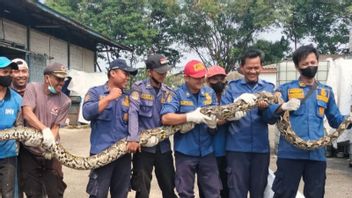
<point x="55" y="130"/>
<point x="32" y="119"/>
<point x="173" y="119"/>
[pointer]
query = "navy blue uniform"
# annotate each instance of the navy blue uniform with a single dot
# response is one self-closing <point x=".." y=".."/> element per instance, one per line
<point x="194" y="149"/>
<point x="247" y="144"/>
<point x="144" y="113"/>
<point x="307" y="122"/>
<point x="108" y="127"/>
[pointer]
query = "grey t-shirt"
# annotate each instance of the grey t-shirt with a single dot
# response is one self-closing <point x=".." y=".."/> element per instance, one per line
<point x="49" y="108"/>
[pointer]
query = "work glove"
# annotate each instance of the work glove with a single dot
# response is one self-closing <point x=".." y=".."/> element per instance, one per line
<point x="48" y="155"/>
<point x="48" y="138"/>
<point x="151" y="141"/>
<point x="196" y="116"/>
<point x="247" y="98"/>
<point x="211" y="121"/>
<point x="186" y="127"/>
<point x="33" y="142"/>
<point x="291" y="105"/>
<point x="238" y="116"/>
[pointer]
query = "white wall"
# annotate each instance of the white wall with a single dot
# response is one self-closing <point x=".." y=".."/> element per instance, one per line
<point x="270" y="77"/>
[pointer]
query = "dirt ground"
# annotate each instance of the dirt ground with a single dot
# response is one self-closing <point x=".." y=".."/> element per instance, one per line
<point x="76" y="141"/>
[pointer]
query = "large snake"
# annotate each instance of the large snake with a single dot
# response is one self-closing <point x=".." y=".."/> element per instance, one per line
<point x="118" y="149"/>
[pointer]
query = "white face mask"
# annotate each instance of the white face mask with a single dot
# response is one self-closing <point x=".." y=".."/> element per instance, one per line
<point x="51" y="88"/>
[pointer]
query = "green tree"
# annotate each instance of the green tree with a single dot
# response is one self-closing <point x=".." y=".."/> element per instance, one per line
<point x="325" y="23"/>
<point x="274" y="52"/>
<point x="219" y="31"/>
<point x="139" y="24"/>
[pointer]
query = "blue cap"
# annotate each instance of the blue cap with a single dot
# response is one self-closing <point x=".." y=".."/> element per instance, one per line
<point x="5" y="62"/>
<point x="121" y="64"/>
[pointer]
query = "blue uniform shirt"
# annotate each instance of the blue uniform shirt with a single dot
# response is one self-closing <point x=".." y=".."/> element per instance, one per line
<point x="144" y="111"/>
<point x="250" y="133"/>
<point x="110" y="125"/>
<point x="220" y="140"/>
<point x="197" y="142"/>
<point x="10" y="106"/>
<point x="308" y="120"/>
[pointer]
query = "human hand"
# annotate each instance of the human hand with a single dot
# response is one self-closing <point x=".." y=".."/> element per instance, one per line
<point x="247" y="98"/>
<point x="291" y="105"/>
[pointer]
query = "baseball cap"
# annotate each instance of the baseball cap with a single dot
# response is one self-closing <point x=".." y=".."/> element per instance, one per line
<point x="195" y="69"/>
<point x="158" y="62"/>
<point x="215" y="70"/>
<point x="20" y="63"/>
<point x="5" y="62"/>
<point x="121" y="64"/>
<point x="57" y="69"/>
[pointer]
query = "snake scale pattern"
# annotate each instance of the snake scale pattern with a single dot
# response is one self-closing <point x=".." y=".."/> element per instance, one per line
<point x="118" y="149"/>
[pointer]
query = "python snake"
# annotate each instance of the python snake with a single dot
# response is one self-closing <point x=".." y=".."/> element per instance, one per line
<point x="118" y="149"/>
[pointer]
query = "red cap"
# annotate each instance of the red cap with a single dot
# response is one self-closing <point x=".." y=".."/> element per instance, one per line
<point x="195" y="69"/>
<point x="215" y="70"/>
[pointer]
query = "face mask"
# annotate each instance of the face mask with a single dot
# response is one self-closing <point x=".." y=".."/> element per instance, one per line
<point x="218" y="87"/>
<point x="5" y="81"/>
<point x="51" y="89"/>
<point x="309" y="71"/>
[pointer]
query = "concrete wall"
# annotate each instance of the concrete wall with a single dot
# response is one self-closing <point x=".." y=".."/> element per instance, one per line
<point x="13" y="32"/>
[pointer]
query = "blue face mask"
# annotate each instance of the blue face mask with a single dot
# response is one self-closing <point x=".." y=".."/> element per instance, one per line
<point x="51" y="89"/>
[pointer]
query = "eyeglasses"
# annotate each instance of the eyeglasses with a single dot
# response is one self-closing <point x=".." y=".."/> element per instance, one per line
<point x="19" y="62"/>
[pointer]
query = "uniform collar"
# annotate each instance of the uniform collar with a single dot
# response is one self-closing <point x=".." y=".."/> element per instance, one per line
<point x="148" y="85"/>
<point x="302" y="84"/>
<point x="189" y="94"/>
<point x="243" y="81"/>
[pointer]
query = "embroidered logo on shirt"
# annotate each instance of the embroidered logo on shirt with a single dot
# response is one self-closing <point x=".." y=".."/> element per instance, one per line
<point x="186" y="103"/>
<point x="54" y="111"/>
<point x="9" y="111"/>
<point x="296" y="93"/>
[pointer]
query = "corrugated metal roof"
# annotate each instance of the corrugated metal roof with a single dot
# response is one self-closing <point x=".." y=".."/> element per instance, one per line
<point x="36" y="15"/>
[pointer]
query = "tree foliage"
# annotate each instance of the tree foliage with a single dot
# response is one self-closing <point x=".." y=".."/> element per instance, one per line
<point x="325" y="23"/>
<point x="217" y="30"/>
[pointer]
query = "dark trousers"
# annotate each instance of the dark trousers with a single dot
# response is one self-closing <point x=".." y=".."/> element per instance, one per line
<point x="7" y="177"/>
<point x="222" y="164"/>
<point x="289" y="173"/>
<point x="247" y="172"/>
<point x="114" y="176"/>
<point x="207" y="174"/>
<point x="41" y="177"/>
<point x="143" y="164"/>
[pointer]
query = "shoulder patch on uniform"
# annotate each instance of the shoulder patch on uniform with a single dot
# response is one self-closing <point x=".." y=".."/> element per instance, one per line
<point x="86" y="97"/>
<point x="134" y="95"/>
<point x="126" y="101"/>
<point x="208" y="99"/>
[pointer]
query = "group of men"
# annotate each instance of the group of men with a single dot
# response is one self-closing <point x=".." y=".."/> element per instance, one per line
<point x="229" y="157"/>
<point x="23" y="167"/>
